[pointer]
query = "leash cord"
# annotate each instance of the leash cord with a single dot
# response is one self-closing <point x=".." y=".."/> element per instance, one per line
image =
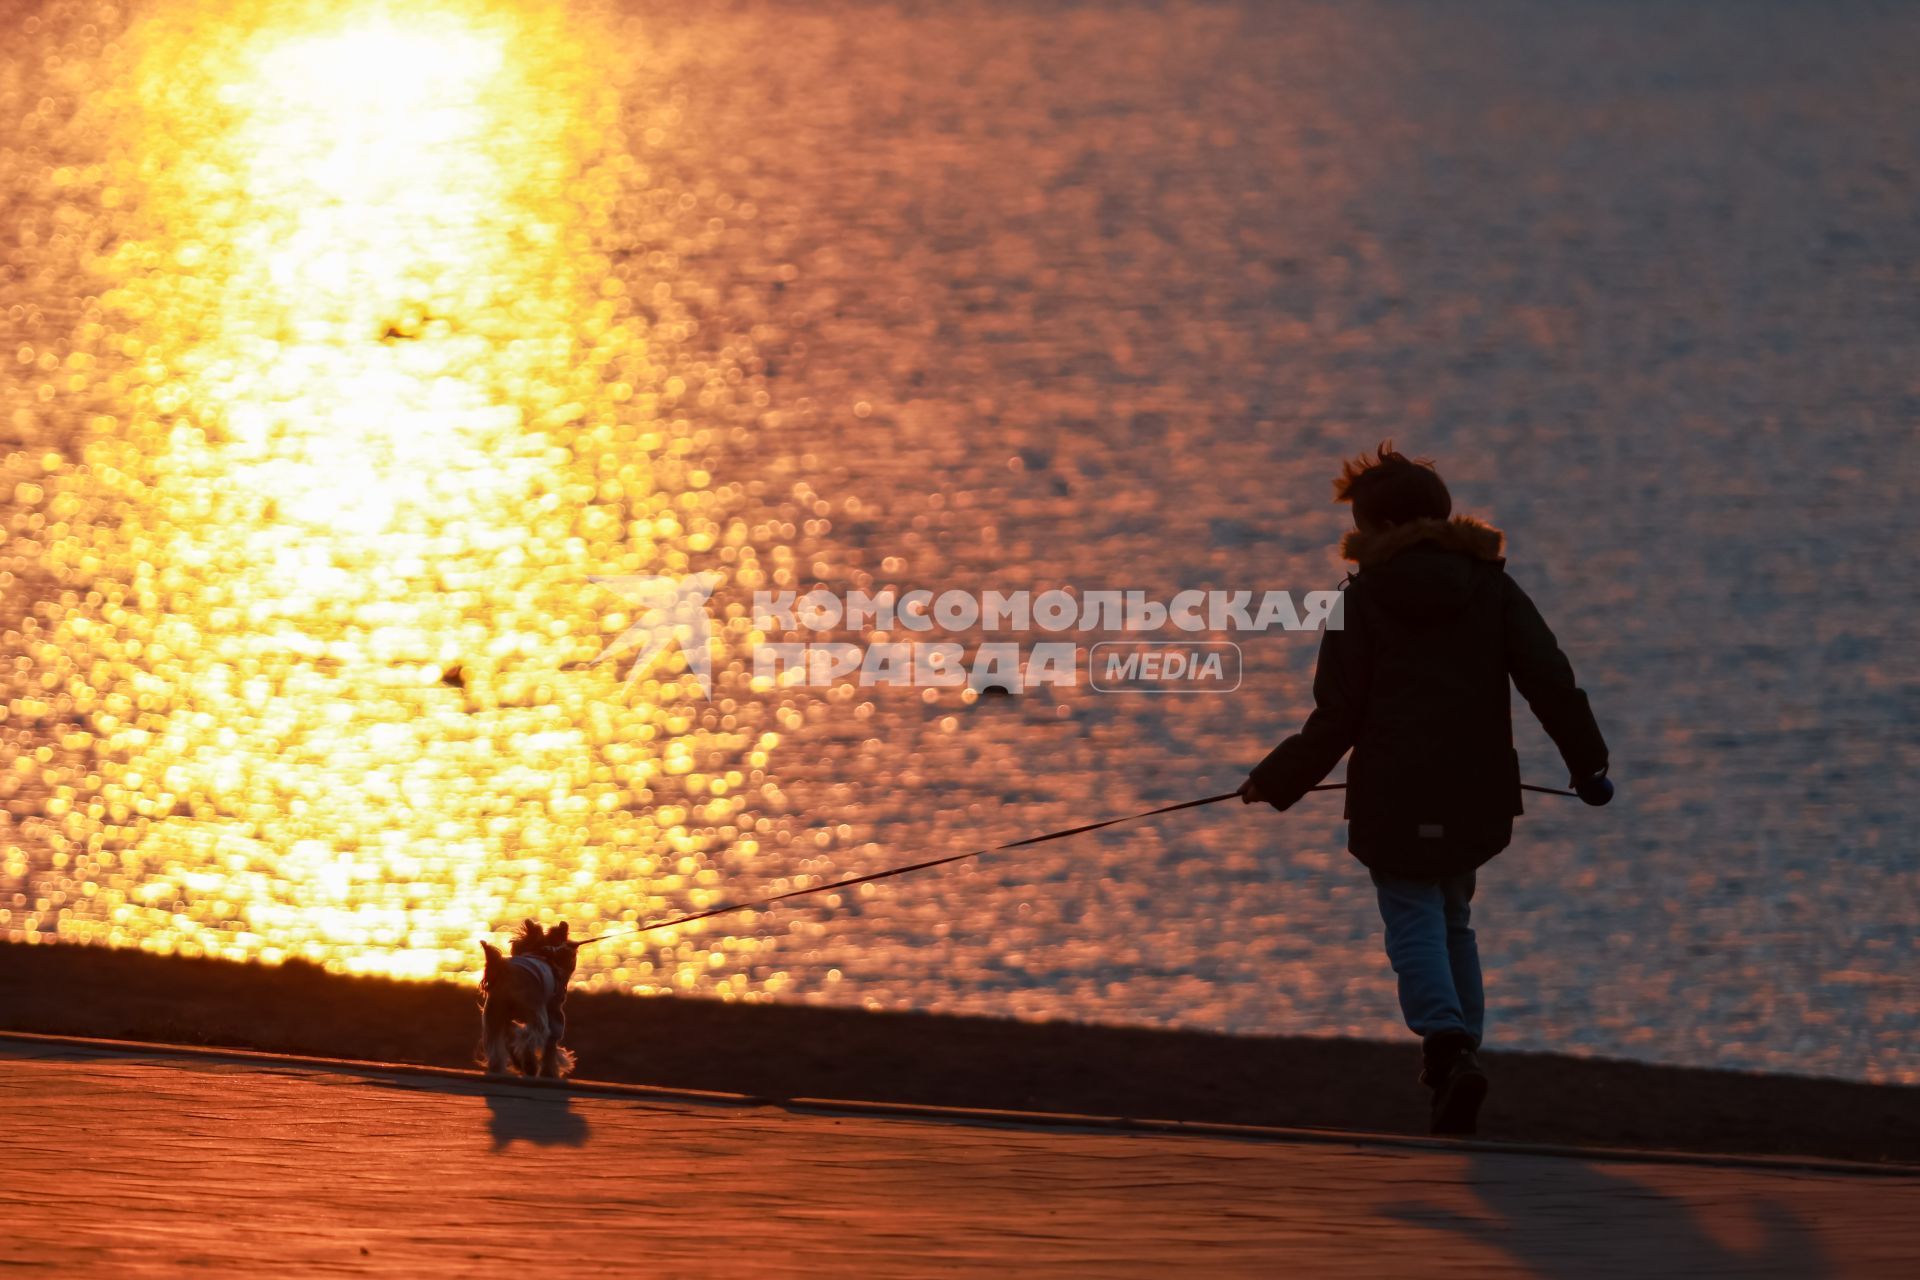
<point x="914" y="866"/>
<point x="890" y="872"/>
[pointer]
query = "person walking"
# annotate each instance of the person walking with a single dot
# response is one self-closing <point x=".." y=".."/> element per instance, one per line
<point x="1415" y="683"/>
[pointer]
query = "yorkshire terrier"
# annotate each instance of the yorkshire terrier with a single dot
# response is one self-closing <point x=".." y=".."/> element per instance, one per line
<point x="523" y="999"/>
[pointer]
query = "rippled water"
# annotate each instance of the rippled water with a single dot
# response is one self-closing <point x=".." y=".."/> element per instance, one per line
<point x="344" y="347"/>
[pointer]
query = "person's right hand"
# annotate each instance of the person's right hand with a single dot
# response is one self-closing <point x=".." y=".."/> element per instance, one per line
<point x="1250" y="792"/>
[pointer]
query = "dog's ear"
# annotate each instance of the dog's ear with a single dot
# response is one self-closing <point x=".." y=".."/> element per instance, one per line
<point x="559" y="933"/>
<point x="531" y="930"/>
<point x="491" y="952"/>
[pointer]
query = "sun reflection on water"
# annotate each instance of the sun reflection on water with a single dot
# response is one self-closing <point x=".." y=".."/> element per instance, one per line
<point x="378" y="414"/>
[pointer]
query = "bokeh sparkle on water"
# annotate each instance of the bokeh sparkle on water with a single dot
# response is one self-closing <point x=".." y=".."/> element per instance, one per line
<point x="345" y="346"/>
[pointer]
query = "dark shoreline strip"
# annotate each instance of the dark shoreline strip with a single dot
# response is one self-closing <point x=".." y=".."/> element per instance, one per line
<point x="480" y="1082"/>
<point x="963" y="1064"/>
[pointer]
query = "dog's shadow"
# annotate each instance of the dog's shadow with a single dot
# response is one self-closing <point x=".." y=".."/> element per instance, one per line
<point x="545" y="1118"/>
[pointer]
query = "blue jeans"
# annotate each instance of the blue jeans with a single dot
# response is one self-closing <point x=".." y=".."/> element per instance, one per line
<point x="1432" y="949"/>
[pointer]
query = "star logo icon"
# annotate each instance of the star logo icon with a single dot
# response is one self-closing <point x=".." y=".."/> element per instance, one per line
<point x="664" y="610"/>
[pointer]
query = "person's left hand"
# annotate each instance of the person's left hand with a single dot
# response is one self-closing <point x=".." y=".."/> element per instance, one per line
<point x="1596" y="790"/>
<point x="1250" y="793"/>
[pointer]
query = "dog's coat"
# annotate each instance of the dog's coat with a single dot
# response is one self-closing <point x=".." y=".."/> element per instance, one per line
<point x="542" y="972"/>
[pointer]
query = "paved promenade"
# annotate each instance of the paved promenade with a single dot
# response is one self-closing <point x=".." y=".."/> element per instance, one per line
<point x="156" y="1163"/>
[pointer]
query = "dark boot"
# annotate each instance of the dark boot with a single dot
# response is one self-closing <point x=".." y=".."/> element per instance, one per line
<point x="1458" y="1081"/>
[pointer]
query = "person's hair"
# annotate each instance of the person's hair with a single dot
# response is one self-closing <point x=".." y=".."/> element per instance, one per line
<point x="1391" y="488"/>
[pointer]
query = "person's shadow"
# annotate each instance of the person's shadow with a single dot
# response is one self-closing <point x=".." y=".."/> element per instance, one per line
<point x="545" y="1118"/>
<point x="1567" y="1219"/>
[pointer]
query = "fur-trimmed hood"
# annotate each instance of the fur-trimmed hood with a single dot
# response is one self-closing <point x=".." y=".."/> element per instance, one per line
<point x="1463" y="534"/>
<point x="1424" y="571"/>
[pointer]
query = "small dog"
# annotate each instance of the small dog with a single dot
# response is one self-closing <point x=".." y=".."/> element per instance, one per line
<point x="523" y="999"/>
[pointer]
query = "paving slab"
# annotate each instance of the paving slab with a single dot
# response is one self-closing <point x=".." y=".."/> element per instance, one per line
<point x="156" y="1163"/>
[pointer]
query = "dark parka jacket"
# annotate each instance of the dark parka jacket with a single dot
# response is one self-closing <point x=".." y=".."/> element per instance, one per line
<point x="1415" y="683"/>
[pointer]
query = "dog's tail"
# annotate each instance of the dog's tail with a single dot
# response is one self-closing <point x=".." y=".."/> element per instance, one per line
<point x="496" y="964"/>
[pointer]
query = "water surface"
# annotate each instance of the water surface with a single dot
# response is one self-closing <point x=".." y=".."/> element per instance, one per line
<point x="345" y="346"/>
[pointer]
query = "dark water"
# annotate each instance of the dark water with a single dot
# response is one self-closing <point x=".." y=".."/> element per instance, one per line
<point x="344" y="347"/>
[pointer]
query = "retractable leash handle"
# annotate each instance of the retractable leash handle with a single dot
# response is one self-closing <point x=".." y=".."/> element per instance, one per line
<point x="930" y="863"/>
<point x="1595" y="790"/>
